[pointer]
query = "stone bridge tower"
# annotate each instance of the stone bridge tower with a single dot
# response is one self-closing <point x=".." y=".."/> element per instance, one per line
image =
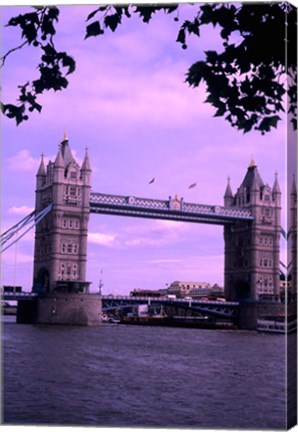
<point x="60" y="255"/>
<point x="292" y="243"/>
<point x="252" y="249"/>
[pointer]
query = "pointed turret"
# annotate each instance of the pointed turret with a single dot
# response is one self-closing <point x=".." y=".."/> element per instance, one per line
<point x="86" y="169"/>
<point x="86" y="163"/>
<point x="276" y="187"/>
<point x="66" y="151"/>
<point x="252" y="179"/>
<point x="228" y="196"/>
<point x="58" y="167"/>
<point x="59" y="162"/>
<point x="41" y="174"/>
<point x="42" y="169"/>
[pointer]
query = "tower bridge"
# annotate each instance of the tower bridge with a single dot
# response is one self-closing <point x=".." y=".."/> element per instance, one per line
<point x="251" y="220"/>
<point x="172" y="209"/>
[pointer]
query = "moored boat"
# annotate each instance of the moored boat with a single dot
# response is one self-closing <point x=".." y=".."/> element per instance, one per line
<point x="278" y="324"/>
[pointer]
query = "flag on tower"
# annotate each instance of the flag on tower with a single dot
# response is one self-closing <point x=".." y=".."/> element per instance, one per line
<point x="192" y="186"/>
<point x="152" y="181"/>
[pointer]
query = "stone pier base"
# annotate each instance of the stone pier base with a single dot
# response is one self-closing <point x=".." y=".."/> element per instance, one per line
<point x="62" y="308"/>
<point x="249" y="313"/>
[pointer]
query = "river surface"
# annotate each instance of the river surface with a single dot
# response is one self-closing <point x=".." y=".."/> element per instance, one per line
<point x="134" y="376"/>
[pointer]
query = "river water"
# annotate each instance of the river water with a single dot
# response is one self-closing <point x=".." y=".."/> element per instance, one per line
<point x="134" y="376"/>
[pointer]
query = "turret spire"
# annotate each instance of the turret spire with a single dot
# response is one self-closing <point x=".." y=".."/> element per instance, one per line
<point x="65" y="136"/>
<point x="228" y="196"/>
<point x="86" y="163"/>
<point x="59" y="162"/>
<point x="276" y="187"/>
<point x="42" y="169"/>
<point x="252" y="162"/>
<point x="228" y="192"/>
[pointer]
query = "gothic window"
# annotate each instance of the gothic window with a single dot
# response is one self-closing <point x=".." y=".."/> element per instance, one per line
<point x="265" y="263"/>
<point x="64" y="223"/>
<point x="75" y="248"/>
<point x="267" y="197"/>
<point x="73" y="175"/>
<point x="77" y="224"/>
<point x="72" y="191"/>
<point x="68" y="270"/>
<point x="70" y="223"/>
<point x="63" y="250"/>
<point x="69" y="248"/>
<point x="261" y="263"/>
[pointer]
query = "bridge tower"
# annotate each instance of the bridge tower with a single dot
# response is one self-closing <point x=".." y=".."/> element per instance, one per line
<point x="252" y="248"/>
<point x="292" y="249"/>
<point x="60" y="254"/>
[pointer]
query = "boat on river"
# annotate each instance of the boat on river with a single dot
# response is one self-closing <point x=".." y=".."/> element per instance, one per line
<point x="278" y="324"/>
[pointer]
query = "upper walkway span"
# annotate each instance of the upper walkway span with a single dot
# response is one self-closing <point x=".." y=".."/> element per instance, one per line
<point x="171" y="209"/>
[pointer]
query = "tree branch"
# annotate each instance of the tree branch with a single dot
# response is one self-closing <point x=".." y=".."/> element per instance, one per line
<point x="3" y="59"/>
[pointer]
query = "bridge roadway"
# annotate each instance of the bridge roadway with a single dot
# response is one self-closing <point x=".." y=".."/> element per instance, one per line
<point x="171" y="209"/>
<point x="214" y="308"/>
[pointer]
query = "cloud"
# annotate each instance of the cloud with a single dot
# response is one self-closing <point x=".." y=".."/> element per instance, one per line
<point x="152" y="233"/>
<point x="22" y="210"/>
<point x="9" y="258"/>
<point x="101" y="239"/>
<point x="23" y="161"/>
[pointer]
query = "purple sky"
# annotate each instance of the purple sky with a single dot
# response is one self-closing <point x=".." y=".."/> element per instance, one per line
<point x="128" y="103"/>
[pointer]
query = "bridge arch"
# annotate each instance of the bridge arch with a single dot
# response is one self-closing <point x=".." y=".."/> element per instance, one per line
<point x="42" y="281"/>
<point x="242" y="290"/>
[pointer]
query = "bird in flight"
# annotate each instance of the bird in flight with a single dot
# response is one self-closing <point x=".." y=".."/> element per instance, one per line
<point x="192" y="186"/>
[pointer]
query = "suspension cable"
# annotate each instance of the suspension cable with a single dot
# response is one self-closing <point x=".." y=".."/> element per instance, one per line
<point x="25" y="222"/>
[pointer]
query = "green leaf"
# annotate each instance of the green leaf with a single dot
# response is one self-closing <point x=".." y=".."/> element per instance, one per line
<point x="181" y="36"/>
<point x="92" y="14"/>
<point x="112" y="21"/>
<point x="69" y="62"/>
<point x="221" y="110"/>
<point x="269" y="122"/>
<point x="146" y="12"/>
<point x="93" y="29"/>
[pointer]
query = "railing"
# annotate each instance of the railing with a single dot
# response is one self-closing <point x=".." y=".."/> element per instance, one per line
<point x="173" y="208"/>
<point x="166" y="299"/>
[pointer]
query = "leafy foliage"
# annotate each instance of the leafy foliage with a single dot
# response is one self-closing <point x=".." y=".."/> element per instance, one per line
<point x="38" y="30"/>
<point x="250" y="82"/>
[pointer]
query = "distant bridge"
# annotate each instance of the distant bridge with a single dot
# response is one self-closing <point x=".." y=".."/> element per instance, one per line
<point x="16" y="296"/>
<point x="215" y="308"/>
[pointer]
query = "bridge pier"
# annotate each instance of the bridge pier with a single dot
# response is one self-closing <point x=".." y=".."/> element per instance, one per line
<point x="61" y="308"/>
<point x="249" y="313"/>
